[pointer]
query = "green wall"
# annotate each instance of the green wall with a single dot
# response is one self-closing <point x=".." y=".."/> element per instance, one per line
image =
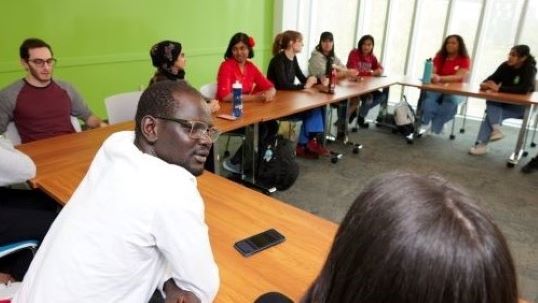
<point x="102" y="46"/>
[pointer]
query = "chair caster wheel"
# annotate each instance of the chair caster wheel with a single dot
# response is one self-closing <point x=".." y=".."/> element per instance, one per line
<point x="334" y="160"/>
<point x="452" y="137"/>
<point x="525" y="153"/>
<point x="409" y="141"/>
<point x="533" y="144"/>
<point x="354" y="129"/>
<point x="462" y="131"/>
<point x="226" y="154"/>
<point x="357" y="148"/>
<point x="510" y="165"/>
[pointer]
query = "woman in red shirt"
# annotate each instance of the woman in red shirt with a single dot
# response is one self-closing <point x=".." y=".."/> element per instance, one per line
<point x="363" y="60"/>
<point x="256" y="88"/>
<point x="451" y="64"/>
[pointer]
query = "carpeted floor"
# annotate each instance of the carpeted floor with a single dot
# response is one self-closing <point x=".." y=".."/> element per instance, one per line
<point x="511" y="197"/>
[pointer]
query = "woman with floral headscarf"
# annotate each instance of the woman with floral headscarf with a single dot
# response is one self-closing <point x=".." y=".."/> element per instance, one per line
<point x="168" y="58"/>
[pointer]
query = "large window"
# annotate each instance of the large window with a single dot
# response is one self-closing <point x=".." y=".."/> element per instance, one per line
<point x="409" y="31"/>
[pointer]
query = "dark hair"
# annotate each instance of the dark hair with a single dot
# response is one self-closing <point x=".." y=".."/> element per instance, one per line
<point x="410" y="238"/>
<point x="326" y="36"/>
<point x="158" y="100"/>
<point x="239" y="37"/>
<point x="462" y="49"/>
<point x="24" y="49"/>
<point x="283" y="39"/>
<point x="363" y="39"/>
<point x="523" y="50"/>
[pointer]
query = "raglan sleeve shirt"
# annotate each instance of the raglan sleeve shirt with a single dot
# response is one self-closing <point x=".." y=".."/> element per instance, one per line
<point x="79" y="108"/>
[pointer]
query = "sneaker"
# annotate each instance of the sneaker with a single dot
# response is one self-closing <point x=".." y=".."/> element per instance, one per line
<point x="314" y="146"/>
<point x="496" y="135"/>
<point x="233" y="168"/>
<point x="478" y="150"/>
<point x="302" y="152"/>
<point x="424" y="130"/>
<point x="361" y="122"/>
<point x="531" y="166"/>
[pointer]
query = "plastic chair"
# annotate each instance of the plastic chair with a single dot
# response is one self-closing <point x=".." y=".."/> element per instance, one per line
<point x="122" y="107"/>
<point x="11" y="248"/>
<point x="209" y="90"/>
<point x="12" y="134"/>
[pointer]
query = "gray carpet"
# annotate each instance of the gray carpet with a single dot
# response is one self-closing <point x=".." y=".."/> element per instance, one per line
<point x="328" y="189"/>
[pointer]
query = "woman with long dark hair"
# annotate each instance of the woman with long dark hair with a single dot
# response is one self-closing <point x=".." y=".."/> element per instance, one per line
<point x="517" y="76"/>
<point x="451" y="64"/>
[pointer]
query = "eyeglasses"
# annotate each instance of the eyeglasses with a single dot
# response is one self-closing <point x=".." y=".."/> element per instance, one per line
<point x="41" y="62"/>
<point x="198" y="129"/>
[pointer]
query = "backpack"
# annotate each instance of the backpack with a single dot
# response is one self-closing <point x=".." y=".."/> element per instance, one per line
<point x="277" y="166"/>
<point x="404" y="117"/>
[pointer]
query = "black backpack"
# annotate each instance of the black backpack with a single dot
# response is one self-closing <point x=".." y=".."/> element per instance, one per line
<point x="277" y="166"/>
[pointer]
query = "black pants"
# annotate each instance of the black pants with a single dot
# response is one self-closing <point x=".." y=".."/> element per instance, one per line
<point x="24" y="215"/>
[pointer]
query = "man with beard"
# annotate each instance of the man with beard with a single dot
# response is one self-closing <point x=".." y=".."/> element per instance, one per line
<point x="40" y="106"/>
<point x="136" y="221"/>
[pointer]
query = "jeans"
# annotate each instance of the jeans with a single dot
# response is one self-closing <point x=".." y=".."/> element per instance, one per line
<point x="495" y="113"/>
<point x="367" y="103"/>
<point x="313" y="123"/>
<point x="438" y="109"/>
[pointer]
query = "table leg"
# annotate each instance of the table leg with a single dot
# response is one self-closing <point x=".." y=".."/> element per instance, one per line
<point x="518" y="151"/>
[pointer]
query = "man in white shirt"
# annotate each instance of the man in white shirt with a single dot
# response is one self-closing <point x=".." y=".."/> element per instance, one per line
<point x="137" y="218"/>
<point x="24" y="214"/>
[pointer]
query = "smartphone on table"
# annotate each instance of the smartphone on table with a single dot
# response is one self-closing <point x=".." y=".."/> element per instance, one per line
<point x="259" y="242"/>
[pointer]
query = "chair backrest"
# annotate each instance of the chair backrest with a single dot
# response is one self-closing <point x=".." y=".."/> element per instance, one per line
<point x="209" y="90"/>
<point x="122" y="107"/>
<point x="16" y="246"/>
<point x="12" y="134"/>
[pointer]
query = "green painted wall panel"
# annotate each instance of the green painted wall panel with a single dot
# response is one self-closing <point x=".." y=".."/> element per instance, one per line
<point x="102" y="46"/>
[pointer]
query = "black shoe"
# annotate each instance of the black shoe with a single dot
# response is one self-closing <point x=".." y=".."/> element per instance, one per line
<point x="531" y="166"/>
<point x="362" y="123"/>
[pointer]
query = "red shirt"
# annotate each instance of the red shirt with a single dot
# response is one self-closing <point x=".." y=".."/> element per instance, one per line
<point x="42" y="112"/>
<point x="450" y="66"/>
<point x="252" y="79"/>
<point x="364" y="64"/>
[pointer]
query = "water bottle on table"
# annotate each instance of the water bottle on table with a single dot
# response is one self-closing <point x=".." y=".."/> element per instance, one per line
<point x="427" y="76"/>
<point x="237" y="103"/>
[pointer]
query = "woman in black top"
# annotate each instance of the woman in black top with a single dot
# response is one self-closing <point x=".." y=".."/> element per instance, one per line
<point x="517" y="76"/>
<point x="282" y="71"/>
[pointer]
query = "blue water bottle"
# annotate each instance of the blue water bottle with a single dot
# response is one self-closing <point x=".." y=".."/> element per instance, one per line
<point x="427" y="76"/>
<point x="237" y="104"/>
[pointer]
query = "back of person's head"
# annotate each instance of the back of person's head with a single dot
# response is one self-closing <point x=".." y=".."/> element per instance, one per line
<point x="416" y="239"/>
<point x="164" y="54"/>
<point x="30" y="43"/>
<point x="462" y="48"/>
<point x="326" y="36"/>
<point x="161" y="100"/>
<point x="523" y="50"/>
<point x="363" y="39"/>
<point x="283" y="40"/>
<point x="240" y="37"/>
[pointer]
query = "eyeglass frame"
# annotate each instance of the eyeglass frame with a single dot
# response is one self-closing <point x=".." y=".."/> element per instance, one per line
<point x="211" y="132"/>
<point x="41" y="62"/>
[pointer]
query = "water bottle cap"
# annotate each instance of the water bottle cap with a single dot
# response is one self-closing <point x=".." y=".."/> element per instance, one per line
<point x="237" y="84"/>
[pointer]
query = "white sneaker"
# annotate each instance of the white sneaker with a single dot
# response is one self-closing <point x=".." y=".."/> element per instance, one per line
<point x="496" y="135"/>
<point x="478" y="150"/>
<point x="424" y="130"/>
<point x="233" y="168"/>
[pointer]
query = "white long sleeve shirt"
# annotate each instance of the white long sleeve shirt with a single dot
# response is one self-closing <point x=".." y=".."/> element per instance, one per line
<point x="132" y="223"/>
<point x="15" y="167"/>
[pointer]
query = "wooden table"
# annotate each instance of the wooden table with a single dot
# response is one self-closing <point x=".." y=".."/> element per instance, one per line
<point x="465" y="89"/>
<point x="234" y="212"/>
